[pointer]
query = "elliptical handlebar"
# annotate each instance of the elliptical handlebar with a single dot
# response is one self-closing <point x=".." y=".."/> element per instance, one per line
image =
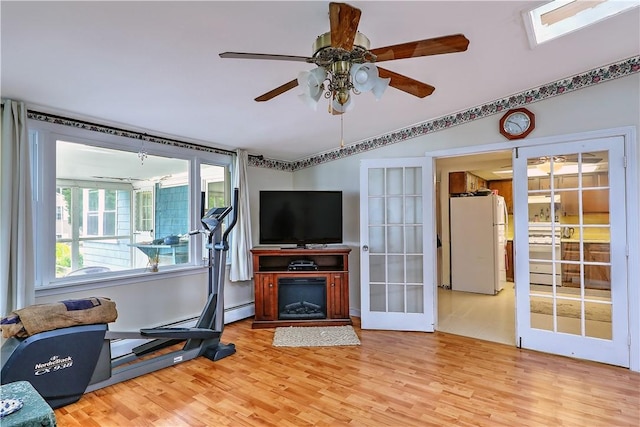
<point x="225" y="236"/>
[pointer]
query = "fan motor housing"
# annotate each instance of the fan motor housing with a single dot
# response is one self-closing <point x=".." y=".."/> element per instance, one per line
<point x="325" y="54"/>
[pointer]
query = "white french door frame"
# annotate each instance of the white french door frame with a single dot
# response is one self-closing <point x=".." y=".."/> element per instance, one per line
<point x="629" y="133"/>
<point x="555" y="337"/>
<point x="422" y="316"/>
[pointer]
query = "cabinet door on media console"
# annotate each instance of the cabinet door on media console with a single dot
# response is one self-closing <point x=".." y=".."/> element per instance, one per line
<point x="338" y="301"/>
<point x="266" y="299"/>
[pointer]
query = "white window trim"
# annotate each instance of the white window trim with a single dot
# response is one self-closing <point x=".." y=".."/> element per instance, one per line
<point x="44" y="203"/>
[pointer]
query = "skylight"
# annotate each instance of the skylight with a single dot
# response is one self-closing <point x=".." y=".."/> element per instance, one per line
<point x="560" y="17"/>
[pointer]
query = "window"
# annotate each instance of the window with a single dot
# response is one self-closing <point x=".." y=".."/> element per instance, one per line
<point x="559" y="17"/>
<point x="113" y="213"/>
<point x="143" y="210"/>
<point x="214" y="186"/>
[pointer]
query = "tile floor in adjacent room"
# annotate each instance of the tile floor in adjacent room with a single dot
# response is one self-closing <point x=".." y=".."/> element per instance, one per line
<point x="492" y="317"/>
<point x="487" y="317"/>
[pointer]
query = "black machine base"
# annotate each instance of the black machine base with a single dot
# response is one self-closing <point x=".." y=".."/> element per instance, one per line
<point x="59" y="364"/>
<point x="219" y="351"/>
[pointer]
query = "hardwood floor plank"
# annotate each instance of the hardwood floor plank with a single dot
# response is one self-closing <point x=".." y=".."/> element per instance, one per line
<point x="392" y="379"/>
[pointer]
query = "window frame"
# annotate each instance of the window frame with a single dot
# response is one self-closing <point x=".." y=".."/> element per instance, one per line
<point x="43" y="136"/>
<point x="570" y="21"/>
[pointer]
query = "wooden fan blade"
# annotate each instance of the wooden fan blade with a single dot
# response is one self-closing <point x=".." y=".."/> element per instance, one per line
<point x="242" y="55"/>
<point x="344" y="21"/>
<point x="435" y="46"/>
<point x="278" y="91"/>
<point x="406" y="84"/>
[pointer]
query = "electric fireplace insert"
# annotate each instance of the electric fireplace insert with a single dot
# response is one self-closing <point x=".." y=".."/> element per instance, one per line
<point x="302" y="298"/>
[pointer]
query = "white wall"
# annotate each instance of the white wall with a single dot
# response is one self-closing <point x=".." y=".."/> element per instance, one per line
<point x="169" y="298"/>
<point x="154" y="300"/>
<point x="608" y="105"/>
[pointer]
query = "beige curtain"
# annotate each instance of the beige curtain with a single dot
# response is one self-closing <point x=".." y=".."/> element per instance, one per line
<point x="17" y="249"/>
<point x="241" y="267"/>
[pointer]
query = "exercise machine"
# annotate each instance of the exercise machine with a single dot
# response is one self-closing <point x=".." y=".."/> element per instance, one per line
<point x="65" y="363"/>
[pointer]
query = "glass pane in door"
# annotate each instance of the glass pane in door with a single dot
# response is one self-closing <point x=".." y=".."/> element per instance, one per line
<point x="395" y="240"/>
<point x="569" y="244"/>
<point x="396" y="289"/>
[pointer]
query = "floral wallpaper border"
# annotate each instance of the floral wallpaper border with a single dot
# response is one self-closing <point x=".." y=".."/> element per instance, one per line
<point x="589" y="78"/>
<point x="560" y="87"/>
<point x="110" y="130"/>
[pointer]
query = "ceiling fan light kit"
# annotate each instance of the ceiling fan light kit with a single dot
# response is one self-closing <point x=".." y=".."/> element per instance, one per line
<point x="311" y="83"/>
<point x="346" y="63"/>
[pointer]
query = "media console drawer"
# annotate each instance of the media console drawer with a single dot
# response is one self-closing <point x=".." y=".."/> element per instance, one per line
<point x="314" y="297"/>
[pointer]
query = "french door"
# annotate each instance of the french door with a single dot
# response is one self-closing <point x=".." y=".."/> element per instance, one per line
<point x="571" y="262"/>
<point x="398" y="244"/>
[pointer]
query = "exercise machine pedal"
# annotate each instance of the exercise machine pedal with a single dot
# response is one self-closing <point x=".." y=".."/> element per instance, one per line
<point x="219" y="351"/>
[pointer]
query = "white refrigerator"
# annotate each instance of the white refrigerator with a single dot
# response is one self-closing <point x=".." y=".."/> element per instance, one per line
<point x="478" y="244"/>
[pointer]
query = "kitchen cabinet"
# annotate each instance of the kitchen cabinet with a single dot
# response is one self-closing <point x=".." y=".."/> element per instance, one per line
<point x="272" y="267"/>
<point x="542" y="183"/>
<point x="505" y="189"/>
<point x="510" y="269"/>
<point x="465" y="182"/>
<point x="595" y="276"/>
<point x="593" y="201"/>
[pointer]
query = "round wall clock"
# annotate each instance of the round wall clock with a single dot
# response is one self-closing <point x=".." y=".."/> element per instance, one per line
<point x="517" y="123"/>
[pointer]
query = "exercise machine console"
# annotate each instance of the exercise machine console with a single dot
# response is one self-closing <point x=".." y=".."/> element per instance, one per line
<point x="65" y="363"/>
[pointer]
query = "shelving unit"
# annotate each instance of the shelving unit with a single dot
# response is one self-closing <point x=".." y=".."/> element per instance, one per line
<point x="272" y="264"/>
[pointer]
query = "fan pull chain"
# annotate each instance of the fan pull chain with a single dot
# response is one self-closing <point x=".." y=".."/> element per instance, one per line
<point x="342" y="130"/>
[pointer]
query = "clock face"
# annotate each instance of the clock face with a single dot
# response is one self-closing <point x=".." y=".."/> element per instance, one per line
<point x="517" y="123"/>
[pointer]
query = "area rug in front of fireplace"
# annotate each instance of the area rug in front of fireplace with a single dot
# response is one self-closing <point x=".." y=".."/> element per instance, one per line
<point x="315" y="336"/>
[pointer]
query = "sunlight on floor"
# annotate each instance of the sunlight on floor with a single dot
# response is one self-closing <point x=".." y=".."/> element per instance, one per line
<point x="492" y="317"/>
<point x="487" y="317"/>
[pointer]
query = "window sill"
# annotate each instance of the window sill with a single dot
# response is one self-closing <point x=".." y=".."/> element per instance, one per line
<point x="64" y="286"/>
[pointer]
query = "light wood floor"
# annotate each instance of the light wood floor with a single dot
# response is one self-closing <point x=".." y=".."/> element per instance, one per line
<point x="392" y="379"/>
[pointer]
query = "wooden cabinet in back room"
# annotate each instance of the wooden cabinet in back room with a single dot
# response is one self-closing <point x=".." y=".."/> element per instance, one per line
<point x="465" y="182"/>
<point x="594" y="200"/>
<point x="505" y="189"/>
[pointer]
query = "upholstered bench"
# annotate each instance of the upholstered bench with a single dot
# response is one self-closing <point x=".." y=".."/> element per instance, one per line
<point x="35" y="411"/>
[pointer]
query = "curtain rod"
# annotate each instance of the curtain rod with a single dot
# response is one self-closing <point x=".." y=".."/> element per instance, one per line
<point x="140" y="134"/>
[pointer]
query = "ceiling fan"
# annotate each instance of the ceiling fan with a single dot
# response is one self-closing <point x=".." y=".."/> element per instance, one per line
<point x="346" y="63"/>
<point x="586" y="158"/>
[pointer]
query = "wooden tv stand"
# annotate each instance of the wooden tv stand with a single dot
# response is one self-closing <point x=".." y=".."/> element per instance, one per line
<point x="271" y="264"/>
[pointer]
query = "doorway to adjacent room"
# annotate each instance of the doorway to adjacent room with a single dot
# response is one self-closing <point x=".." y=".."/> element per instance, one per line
<point x="572" y="284"/>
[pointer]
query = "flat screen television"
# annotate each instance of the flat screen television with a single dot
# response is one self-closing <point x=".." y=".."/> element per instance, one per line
<point x="300" y="217"/>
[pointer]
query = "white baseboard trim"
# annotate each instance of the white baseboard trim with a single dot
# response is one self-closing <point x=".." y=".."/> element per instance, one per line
<point x="355" y="312"/>
<point x="233" y="314"/>
<point x="238" y="313"/>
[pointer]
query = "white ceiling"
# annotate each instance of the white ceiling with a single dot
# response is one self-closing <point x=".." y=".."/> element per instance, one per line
<point x="154" y="66"/>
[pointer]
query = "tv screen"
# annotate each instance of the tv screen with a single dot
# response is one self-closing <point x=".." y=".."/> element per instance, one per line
<point x="300" y="217"/>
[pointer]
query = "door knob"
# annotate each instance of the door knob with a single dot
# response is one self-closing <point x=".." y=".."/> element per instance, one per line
<point x="365" y="248"/>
